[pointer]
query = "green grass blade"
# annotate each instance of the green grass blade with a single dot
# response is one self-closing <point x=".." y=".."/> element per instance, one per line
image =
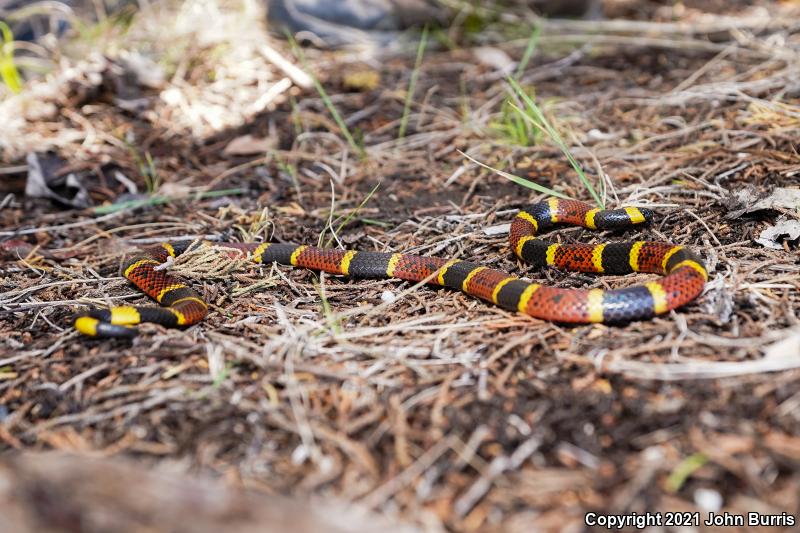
<point x="556" y="138"/>
<point x="684" y="470"/>
<point x="8" y="68"/>
<point x="533" y="114"/>
<point x="518" y="180"/>
<point x="412" y="83"/>
<point x="327" y="311"/>
<point x="350" y="215"/>
<point x="159" y="200"/>
<point x="327" y="100"/>
<point x="529" y="50"/>
<point x="514" y="129"/>
<point x="374" y="222"/>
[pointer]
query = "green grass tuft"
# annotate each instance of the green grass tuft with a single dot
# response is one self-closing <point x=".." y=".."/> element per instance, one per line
<point x="147" y="169"/>
<point x="513" y="128"/>
<point x="412" y="83"/>
<point x="532" y="113"/>
<point x="152" y="180"/>
<point x="8" y="68"/>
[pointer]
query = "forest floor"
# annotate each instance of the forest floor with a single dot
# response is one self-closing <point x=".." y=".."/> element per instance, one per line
<point x="408" y="403"/>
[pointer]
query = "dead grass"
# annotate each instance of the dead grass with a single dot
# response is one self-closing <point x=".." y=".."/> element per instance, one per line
<point x="421" y="404"/>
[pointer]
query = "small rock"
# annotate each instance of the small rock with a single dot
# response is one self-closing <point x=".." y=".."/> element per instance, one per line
<point x="708" y="500"/>
<point x="388" y="297"/>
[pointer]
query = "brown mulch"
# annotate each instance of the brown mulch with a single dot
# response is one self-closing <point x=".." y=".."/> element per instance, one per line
<point x="422" y="405"/>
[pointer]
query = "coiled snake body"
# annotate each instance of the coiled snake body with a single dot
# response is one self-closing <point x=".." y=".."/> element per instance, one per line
<point x="684" y="273"/>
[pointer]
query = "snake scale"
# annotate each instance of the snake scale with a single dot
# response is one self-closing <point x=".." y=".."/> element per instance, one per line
<point x="684" y="274"/>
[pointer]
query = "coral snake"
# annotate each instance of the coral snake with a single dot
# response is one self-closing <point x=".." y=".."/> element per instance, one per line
<point x="684" y="273"/>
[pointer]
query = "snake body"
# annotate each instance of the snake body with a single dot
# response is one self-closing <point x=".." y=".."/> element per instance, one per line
<point x="684" y="273"/>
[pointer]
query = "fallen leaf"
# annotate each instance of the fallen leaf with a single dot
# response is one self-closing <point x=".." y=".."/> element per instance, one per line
<point x="45" y="180"/>
<point x="362" y="80"/>
<point x="494" y="58"/>
<point x="747" y="200"/>
<point x="249" y="145"/>
<point x="784" y="228"/>
<point x="782" y="197"/>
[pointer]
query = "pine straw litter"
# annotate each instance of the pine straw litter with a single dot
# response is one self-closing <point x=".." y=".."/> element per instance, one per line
<point x="422" y="405"/>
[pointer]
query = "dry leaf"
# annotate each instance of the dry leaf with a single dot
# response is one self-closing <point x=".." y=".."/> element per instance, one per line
<point x="783" y="228"/>
<point x="249" y="145"/>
